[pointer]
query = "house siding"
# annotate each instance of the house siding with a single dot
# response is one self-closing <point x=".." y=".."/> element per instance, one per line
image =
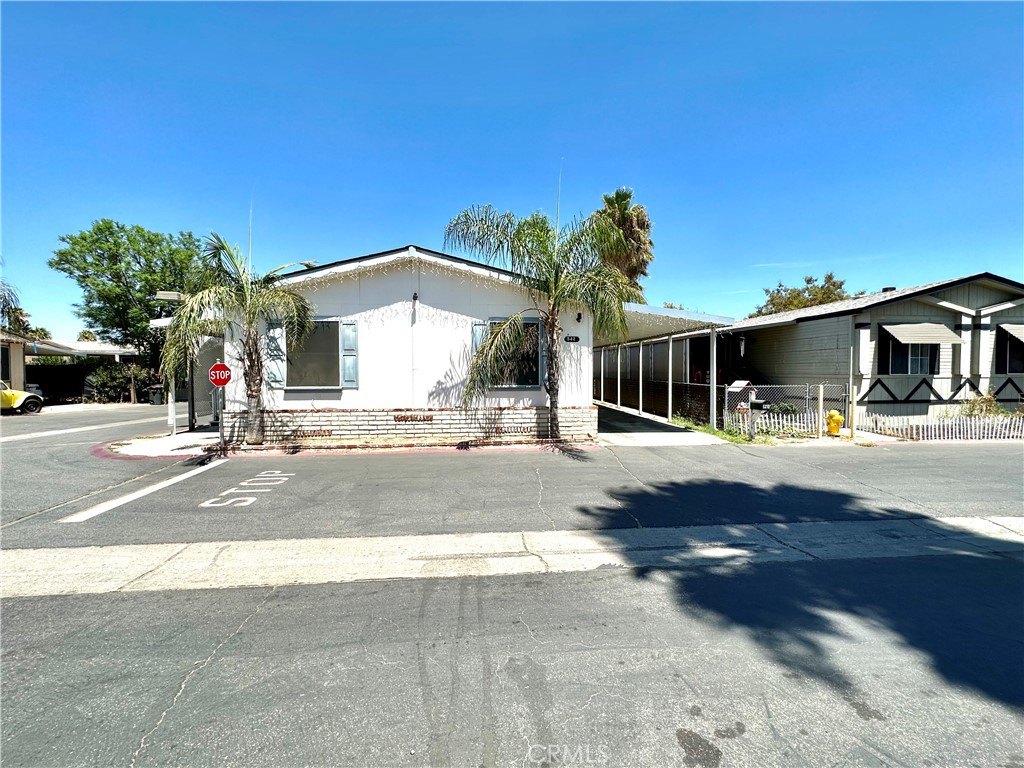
<point x="816" y="351"/>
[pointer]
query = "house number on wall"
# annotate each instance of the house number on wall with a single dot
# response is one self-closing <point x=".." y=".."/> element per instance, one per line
<point x="572" y="339"/>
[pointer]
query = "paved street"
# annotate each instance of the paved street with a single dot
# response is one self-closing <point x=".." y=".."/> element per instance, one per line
<point x="47" y="461"/>
<point x="696" y="606"/>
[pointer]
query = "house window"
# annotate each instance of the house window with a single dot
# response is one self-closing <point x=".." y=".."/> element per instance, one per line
<point x="897" y="358"/>
<point x="1009" y="351"/>
<point x="525" y="370"/>
<point x="328" y="358"/>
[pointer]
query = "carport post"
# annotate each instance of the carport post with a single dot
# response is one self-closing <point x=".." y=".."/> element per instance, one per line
<point x="669" y="414"/>
<point x="171" y="420"/>
<point x="602" y="375"/>
<point x="618" y="375"/>
<point x="640" y="376"/>
<point x="714" y="378"/>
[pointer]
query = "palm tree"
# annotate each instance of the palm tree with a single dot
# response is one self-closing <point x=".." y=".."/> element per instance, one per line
<point x="9" y="302"/>
<point x="634" y="252"/>
<point x="561" y="270"/>
<point x="237" y="303"/>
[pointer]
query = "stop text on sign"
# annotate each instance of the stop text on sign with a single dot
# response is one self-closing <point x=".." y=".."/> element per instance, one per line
<point x="238" y="496"/>
<point x="220" y="374"/>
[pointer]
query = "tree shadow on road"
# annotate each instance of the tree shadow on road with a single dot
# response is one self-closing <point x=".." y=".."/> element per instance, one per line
<point x="963" y="611"/>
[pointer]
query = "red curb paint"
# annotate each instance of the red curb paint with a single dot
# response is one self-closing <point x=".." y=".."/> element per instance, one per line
<point x="102" y="451"/>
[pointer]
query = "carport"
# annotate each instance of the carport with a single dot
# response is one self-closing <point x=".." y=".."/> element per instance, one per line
<point x="668" y="363"/>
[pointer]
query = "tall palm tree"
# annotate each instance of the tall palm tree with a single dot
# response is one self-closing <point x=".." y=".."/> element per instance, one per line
<point x="237" y="303"/>
<point x="634" y="251"/>
<point x="561" y="269"/>
<point x="9" y="302"/>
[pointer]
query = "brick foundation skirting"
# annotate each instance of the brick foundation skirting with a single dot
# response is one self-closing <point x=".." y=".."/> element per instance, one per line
<point x="441" y="424"/>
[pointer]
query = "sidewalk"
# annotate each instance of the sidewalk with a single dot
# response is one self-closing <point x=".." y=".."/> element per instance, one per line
<point x="182" y="443"/>
<point x="238" y="564"/>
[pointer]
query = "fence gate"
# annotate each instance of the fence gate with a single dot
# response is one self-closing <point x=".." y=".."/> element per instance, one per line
<point x="201" y="392"/>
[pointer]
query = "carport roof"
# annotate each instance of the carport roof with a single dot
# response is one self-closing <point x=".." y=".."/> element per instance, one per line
<point x="647" y="322"/>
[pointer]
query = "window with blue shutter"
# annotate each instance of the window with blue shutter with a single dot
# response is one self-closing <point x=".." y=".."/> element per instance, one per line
<point x="276" y="356"/>
<point x="326" y="359"/>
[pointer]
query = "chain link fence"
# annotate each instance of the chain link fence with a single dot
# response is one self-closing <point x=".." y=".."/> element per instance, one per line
<point x="789" y="408"/>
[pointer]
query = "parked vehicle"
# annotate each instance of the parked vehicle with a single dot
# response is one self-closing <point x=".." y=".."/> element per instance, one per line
<point x="19" y="400"/>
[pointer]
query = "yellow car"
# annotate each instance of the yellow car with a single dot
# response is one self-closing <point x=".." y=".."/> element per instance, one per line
<point x="16" y="399"/>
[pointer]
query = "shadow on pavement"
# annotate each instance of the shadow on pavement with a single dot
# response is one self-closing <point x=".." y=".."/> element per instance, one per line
<point x="963" y="612"/>
<point x="612" y="421"/>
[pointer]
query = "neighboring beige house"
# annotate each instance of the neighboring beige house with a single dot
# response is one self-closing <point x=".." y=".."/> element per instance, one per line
<point x="14" y="348"/>
<point x="909" y="351"/>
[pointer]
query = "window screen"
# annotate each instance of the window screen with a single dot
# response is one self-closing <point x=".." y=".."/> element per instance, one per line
<point x="317" y="362"/>
<point x="526" y="370"/>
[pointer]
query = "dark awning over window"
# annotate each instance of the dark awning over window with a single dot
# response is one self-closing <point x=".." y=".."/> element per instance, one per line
<point x="923" y="333"/>
<point x="1014" y="329"/>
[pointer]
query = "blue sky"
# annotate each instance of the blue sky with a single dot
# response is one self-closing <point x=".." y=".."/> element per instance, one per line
<point x="768" y="141"/>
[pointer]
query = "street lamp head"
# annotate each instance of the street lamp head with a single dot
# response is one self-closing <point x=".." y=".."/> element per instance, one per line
<point x="170" y="295"/>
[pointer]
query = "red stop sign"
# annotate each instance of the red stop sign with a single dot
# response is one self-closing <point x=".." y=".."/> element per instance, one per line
<point x="220" y="374"/>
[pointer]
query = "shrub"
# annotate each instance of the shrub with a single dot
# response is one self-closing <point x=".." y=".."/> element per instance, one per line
<point x="111" y="382"/>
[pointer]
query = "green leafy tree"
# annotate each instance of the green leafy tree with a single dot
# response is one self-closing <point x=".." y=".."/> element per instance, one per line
<point x="86" y="336"/>
<point x="671" y="305"/>
<point x="560" y="270"/>
<point x="119" y="269"/>
<point x="633" y="252"/>
<point x="236" y="303"/>
<point x="810" y="294"/>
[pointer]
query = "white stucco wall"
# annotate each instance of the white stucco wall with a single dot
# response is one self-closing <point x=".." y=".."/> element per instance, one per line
<point x="417" y="356"/>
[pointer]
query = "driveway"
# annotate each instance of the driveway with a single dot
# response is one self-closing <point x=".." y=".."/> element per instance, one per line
<point x="619" y="427"/>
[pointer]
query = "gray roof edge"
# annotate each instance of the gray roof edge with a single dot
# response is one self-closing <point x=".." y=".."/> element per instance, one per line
<point x="681" y="314"/>
<point x="858" y="304"/>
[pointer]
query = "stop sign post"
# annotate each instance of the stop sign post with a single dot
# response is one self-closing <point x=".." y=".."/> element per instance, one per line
<point x="220" y="375"/>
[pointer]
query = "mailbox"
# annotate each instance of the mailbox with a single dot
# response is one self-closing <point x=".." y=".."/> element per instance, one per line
<point x="758" y="405"/>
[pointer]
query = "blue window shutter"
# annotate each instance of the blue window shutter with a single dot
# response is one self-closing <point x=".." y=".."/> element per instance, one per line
<point x="542" y="351"/>
<point x="479" y="333"/>
<point x="276" y="355"/>
<point x="349" y="355"/>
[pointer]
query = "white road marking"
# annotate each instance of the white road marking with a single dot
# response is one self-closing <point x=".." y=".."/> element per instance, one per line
<point x="726" y="548"/>
<point x="33" y="435"/>
<point x="99" y="509"/>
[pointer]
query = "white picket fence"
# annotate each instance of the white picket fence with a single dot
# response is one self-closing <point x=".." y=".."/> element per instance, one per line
<point x="956" y="428"/>
<point x="790" y="423"/>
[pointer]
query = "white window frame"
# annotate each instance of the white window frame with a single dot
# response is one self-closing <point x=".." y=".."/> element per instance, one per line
<point x="923" y="353"/>
<point x="540" y="355"/>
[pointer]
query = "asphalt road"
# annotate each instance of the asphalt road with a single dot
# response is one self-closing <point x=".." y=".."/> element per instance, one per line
<point x="534" y="490"/>
<point x="46" y="463"/>
<point x="901" y="661"/>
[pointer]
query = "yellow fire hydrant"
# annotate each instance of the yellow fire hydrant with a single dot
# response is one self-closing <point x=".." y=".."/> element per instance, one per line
<point x="835" y="421"/>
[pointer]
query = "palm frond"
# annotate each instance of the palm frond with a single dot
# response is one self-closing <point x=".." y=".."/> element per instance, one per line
<point x="602" y="290"/>
<point x="9" y="300"/>
<point x="497" y="357"/>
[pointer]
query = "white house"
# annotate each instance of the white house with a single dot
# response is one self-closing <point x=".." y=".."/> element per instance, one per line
<point x="390" y="352"/>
